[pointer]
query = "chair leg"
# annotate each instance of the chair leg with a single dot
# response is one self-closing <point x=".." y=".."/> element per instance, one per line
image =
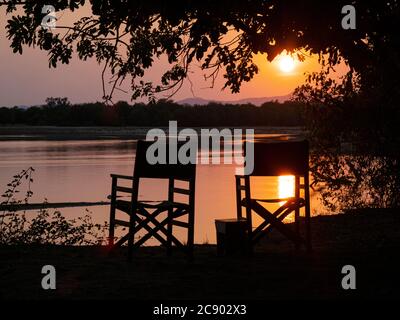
<point x="250" y="249"/>
<point x="308" y="228"/>
<point x="190" y="243"/>
<point x="308" y="213"/>
<point x="297" y="211"/>
<point x="238" y="198"/>
<point x="169" y="233"/>
<point x="191" y="219"/>
<point x="111" y="231"/>
<point x="112" y="214"/>
<point x="171" y="184"/>
<point x="111" y="228"/>
<point x="131" y="234"/>
<point x="248" y="216"/>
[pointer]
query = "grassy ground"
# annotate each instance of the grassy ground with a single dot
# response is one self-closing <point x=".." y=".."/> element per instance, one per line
<point x="369" y="240"/>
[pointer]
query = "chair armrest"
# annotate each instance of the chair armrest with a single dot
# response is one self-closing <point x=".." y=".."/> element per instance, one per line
<point x="120" y="176"/>
<point x="240" y="176"/>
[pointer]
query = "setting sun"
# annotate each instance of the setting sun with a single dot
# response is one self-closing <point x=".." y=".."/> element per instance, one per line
<point x="286" y="64"/>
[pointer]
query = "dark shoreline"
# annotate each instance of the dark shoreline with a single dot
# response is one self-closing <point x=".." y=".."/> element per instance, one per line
<point x="368" y="239"/>
<point x="10" y="133"/>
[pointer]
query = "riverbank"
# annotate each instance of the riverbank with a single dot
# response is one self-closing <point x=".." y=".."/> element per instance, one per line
<point x="102" y="133"/>
<point x="367" y="239"/>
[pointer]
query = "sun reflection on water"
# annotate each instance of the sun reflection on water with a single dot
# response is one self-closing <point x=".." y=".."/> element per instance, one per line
<point x="285" y="186"/>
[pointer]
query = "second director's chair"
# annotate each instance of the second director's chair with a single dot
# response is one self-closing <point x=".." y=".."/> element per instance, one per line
<point x="277" y="159"/>
<point x="156" y="218"/>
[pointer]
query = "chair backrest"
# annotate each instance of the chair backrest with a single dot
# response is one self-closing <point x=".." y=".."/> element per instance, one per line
<point x="143" y="169"/>
<point x="281" y="158"/>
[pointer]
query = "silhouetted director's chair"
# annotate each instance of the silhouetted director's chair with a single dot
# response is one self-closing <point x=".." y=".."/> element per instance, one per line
<point x="144" y="213"/>
<point x="277" y="159"/>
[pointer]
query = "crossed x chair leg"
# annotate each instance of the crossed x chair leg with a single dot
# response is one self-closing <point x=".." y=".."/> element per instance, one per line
<point x="274" y="220"/>
<point x="145" y="215"/>
<point x="141" y="217"/>
<point x="159" y="227"/>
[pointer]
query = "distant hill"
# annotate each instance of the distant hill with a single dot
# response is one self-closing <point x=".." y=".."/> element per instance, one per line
<point x="255" y="101"/>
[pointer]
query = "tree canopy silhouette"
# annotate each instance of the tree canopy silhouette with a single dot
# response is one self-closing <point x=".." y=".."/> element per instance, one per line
<point x="127" y="37"/>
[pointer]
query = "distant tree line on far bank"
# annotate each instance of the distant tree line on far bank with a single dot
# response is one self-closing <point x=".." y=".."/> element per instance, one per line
<point x="60" y="112"/>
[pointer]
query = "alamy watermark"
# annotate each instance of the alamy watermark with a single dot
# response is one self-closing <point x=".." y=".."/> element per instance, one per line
<point x="49" y="280"/>
<point x="349" y="280"/>
<point x="349" y="20"/>
<point x="50" y="18"/>
<point x="189" y="140"/>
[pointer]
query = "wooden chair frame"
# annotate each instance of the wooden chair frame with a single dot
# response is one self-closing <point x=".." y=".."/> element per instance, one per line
<point x="275" y="219"/>
<point x="142" y="213"/>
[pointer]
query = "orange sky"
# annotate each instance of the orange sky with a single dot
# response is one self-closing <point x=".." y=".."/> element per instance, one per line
<point x="27" y="80"/>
